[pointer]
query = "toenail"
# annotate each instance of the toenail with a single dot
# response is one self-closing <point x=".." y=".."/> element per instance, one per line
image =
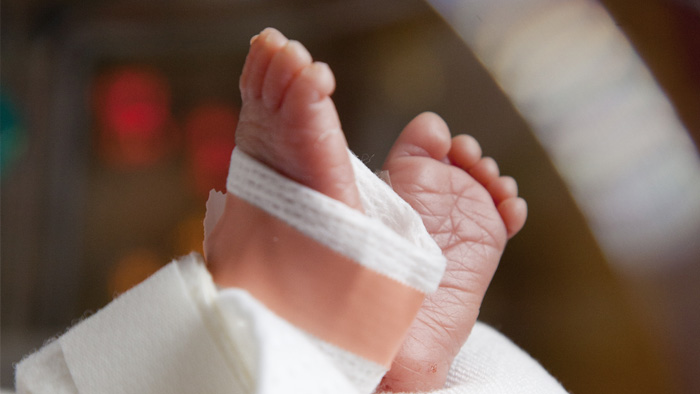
<point x="322" y="67"/>
<point x="270" y="35"/>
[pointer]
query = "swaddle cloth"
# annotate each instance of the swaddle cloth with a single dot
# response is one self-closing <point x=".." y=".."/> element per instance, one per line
<point x="177" y="333"/>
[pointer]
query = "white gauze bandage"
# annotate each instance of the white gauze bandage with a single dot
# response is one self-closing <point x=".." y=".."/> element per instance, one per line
<point x="389" y="237"/>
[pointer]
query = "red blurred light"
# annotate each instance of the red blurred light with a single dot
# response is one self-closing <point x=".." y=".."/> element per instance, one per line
<point x="210" y="139"/>
<point x="132" y="107"/>
<point x="209" y="121"/>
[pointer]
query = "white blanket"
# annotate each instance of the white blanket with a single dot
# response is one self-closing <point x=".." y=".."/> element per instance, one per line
<point x="177" y="333"/>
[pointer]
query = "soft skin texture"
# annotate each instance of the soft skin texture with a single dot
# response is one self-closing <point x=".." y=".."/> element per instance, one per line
<point x="471" y="211"/>
<point x="289" y="122"/>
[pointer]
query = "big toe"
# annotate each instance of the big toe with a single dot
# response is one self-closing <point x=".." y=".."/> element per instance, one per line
<point x="427" y="135"/>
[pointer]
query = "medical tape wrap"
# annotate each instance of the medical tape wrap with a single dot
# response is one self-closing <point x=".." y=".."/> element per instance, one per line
<point x="371" y="239"/>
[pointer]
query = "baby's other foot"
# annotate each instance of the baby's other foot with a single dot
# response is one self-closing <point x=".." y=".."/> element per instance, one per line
<point x="471" y="212"/>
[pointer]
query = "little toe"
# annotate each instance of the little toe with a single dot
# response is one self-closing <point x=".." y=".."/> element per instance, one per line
<point x="465" y="151"/>
<point x="513" y="211"/>
<point x="263" y="48"/>
<point x="485" y="170"/>
<point x="502" y="188"/>
<point x="285" y="64"/>
<point x="427" y="135"/>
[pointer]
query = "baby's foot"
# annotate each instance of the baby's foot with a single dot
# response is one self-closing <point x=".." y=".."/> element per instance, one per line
<point x="470" y="211"/>
<point x="289" y="122"/>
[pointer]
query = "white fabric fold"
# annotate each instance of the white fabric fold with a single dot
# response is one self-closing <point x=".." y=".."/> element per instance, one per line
<point x="175" y="333"/>
<point x="282" y="358"/>
<point x="489" y="363"/>
<point x="269" y="355"/>
<point x="146" y="340"/>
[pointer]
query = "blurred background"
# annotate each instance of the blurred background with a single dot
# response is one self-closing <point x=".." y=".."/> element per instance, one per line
<point x="117" y="119"/>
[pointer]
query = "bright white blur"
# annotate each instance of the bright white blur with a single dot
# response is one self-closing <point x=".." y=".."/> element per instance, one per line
<point x="607" y="126"/>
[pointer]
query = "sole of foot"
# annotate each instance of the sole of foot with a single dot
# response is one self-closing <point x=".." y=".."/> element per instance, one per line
<point x="471" y="211"/>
